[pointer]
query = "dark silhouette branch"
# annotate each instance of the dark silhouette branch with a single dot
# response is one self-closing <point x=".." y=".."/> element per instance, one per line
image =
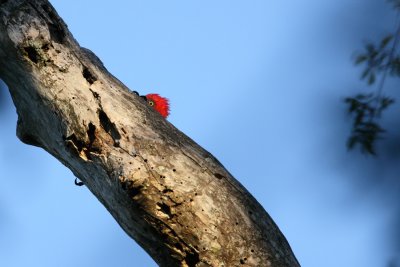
<point x="366" y="109"/>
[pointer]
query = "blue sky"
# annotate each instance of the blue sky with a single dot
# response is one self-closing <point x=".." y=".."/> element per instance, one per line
<point x="257" y="83"/>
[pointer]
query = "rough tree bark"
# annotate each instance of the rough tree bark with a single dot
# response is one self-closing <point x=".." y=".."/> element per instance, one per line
<point x="169" y="194"/>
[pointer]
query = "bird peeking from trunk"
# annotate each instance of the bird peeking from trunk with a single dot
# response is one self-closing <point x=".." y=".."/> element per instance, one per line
<point x="157" y="102"/>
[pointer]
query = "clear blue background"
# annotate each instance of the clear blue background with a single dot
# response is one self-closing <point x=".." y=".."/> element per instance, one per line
<point x="257" y="83"/>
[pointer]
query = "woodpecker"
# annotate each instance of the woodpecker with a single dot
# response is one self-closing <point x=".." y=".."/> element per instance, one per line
<point x="159" y="103"/>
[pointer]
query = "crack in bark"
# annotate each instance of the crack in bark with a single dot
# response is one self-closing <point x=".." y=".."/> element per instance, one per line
<point x="219" y="176"/>
<point x="88" y="75"/>
<point x="166" y="209"/>
<point x="82" y="148"/>
<point x="109" y="127"/>
<point x="192" y="259"/>
<point x="191" y="255"/>
<point x="131" y="189"/>
<point x="32" y="54"/>
<point x="167" y="190"/>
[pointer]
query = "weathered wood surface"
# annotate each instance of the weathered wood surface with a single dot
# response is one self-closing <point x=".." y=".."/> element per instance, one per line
<point x="169" y="194"/>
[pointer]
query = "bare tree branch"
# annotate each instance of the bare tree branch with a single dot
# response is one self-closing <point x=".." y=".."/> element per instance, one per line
<point x="169" y="194"/>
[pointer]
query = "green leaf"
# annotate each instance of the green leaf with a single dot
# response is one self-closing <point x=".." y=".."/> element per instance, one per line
<point x="386" y="102"/>
<point x="360" y="59"/>
<point x="386" y="40"/>
<point x="353" y="104"/>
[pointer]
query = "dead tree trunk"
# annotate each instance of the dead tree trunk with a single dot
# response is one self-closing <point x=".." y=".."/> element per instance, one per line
<point x="169" y="194"/>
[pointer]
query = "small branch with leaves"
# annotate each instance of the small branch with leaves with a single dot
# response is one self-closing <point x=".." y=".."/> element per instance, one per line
<point x="379" y="60"/>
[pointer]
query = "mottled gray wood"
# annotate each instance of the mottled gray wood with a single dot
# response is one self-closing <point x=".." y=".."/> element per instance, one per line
<point x="169" y="194"/>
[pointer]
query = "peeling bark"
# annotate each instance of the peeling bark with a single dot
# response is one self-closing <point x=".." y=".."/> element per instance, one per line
<point x="169" y="194"/>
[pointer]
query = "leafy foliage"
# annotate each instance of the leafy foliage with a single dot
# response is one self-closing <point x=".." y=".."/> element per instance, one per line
<point x="375" y="57"/>
<point x="395" y="3"/>
<point x="379" y="60"/>
<point x="365" y="129"/>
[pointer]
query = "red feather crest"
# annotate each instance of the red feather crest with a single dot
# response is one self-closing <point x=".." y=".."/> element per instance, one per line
<point x="160" y="104"/>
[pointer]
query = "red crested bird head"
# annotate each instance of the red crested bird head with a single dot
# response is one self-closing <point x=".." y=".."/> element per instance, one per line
<point x="159" y="103"/>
